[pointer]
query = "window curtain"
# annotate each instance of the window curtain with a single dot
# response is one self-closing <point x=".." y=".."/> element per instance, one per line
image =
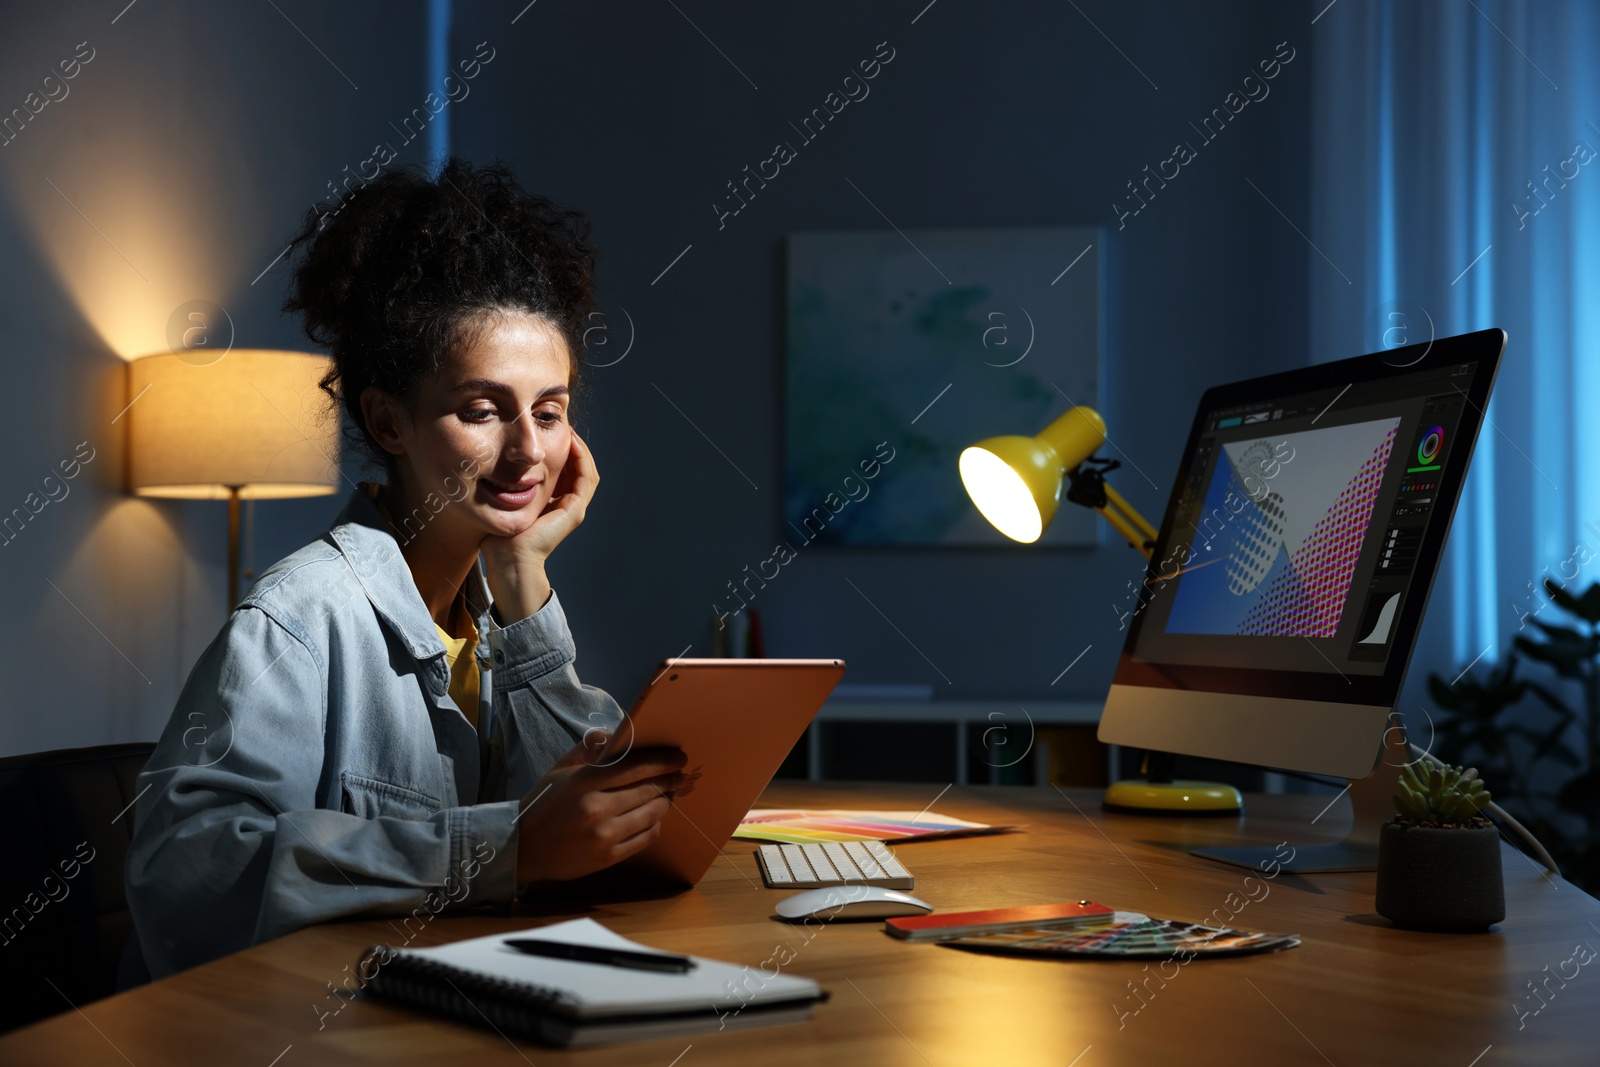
<point x="1456" y="186"/>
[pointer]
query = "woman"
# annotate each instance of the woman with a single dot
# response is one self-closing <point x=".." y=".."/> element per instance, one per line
<point x="386" y="724"/>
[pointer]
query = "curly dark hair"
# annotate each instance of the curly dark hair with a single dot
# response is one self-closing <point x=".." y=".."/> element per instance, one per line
<point x="398" y="272"/>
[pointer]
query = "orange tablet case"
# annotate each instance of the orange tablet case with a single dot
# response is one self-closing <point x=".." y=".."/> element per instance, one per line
<point x="736" y="720"/>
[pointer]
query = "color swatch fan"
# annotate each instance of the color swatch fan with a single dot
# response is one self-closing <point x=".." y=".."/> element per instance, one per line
<point x="788" y="825"/>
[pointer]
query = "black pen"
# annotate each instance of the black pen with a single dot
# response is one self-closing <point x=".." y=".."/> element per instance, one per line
<point x="613" y="957"/>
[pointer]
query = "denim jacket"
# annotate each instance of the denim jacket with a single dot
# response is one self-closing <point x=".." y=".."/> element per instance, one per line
<point x="316" y="767"/>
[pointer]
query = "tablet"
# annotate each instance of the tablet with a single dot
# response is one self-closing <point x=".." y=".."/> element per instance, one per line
<point x="736" y="720"/>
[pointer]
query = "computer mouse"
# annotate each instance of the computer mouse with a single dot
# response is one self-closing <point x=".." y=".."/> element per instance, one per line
<point x="851" y="902"/>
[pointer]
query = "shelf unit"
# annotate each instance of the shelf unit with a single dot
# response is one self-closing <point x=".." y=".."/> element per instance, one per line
<point x="1012" y="715"/>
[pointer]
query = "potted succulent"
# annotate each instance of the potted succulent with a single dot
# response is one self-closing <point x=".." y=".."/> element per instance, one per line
<point x="1439" y="859"/>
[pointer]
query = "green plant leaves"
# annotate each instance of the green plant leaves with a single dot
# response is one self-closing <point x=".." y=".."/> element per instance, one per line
<point x="1567" y="650"/>
<point x="1581" y="795"/>
<point x="1544" y="756"/>
<point x="1585" y="607"/>
<point x="1480" y="700"/>
<point x="1430" y="792"/>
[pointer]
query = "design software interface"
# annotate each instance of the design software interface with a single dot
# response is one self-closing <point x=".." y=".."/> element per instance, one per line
<point x="1296" y="531"/>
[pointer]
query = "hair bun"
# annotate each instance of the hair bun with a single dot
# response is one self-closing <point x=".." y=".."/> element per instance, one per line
<point x="394" y="274"/>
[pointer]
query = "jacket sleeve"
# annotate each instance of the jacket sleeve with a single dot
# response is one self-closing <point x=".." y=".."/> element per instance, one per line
<point x="229" y="845"/>
<point x="542" y="706"/>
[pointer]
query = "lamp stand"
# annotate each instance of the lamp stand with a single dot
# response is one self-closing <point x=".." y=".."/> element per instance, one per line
<point x="1157" y="793"/>
<point x="233" y="547"/>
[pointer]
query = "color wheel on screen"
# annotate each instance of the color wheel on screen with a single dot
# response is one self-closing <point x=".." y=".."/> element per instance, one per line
<point x="1428" y="450"/>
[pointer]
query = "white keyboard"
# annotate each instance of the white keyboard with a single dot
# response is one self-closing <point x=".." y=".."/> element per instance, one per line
<point x="824" y="863"/>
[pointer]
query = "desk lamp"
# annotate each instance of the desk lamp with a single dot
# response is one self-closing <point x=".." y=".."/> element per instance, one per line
<point x="1015" y="482"/>
<point x="250" y="425"/>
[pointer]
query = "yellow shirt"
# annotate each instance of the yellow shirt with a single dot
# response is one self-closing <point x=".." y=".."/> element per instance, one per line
<point x="458" y="651"/>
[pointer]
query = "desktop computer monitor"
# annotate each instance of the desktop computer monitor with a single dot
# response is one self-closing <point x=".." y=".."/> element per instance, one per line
<point x="1294" y="561"/>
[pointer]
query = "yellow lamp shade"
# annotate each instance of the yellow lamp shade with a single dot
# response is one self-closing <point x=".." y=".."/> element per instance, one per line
<point x="254" y="420"/>
<point x="1015" y="481"/>
<point x="1010" y="481"/>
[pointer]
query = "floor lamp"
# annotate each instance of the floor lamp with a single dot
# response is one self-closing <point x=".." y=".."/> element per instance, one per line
<point x="250" y="425"/>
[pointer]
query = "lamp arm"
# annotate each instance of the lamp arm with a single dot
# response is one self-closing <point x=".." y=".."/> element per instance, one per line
<point x="1125" y="528"/>
<point x="1088" y="487"/>
<point x="1131" y="514"/>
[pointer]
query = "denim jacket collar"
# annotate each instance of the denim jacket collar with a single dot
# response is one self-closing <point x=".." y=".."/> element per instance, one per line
<point x="363" y="534"/>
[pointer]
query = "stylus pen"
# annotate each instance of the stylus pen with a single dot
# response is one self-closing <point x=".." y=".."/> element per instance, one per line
<point x="613" y="957"/>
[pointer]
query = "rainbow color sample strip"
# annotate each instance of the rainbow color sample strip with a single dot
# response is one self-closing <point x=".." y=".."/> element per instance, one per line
<point x="798" y="826"/>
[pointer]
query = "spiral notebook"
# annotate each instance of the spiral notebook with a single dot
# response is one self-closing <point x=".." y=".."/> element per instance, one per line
<point x="572" y="1004"/>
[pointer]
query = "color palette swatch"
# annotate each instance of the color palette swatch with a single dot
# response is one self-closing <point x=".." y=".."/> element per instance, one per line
<point x="797" y="826"/>
<point x="1126" y="935"/>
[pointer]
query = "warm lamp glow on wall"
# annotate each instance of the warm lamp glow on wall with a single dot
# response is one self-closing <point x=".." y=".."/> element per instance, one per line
<point x="252" y="424"/>
<point x="1015" y="481"/>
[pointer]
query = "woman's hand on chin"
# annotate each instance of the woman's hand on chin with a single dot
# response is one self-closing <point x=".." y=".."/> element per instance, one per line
<point x="515" y="565"/>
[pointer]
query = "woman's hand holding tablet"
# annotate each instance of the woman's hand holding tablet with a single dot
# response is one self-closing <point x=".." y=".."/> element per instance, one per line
<point x="588" y="813"/>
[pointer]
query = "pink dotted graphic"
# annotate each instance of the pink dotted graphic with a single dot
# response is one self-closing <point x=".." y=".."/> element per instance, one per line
<point x="1307" y="598"/>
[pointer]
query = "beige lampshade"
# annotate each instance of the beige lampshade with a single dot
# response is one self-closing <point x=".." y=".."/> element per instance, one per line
<point x="254" y="419"/>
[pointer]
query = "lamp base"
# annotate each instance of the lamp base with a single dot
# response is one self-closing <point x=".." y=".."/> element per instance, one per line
<point x="1138" y="796"/>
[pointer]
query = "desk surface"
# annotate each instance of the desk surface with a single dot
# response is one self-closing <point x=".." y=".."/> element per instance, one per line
<point x="1356" y="992"/>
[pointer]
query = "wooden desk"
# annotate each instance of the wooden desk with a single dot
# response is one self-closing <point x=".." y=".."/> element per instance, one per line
<point x="1357" y="992"/>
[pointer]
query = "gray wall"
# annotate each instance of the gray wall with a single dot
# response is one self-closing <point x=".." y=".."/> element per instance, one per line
<point x="198" y="135"/>
<point x="989" y="115"/>
<point x="192" y="142"/>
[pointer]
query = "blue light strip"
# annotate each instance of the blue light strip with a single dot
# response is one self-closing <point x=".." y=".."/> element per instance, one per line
<point x="1485" y="571"/>
<point x="1388" y="266"/>
<point x="1463" y="73"/>
<point x="438" y="66"/>
<point x="1554" y="311"/>
<point x="1583" y="351"/>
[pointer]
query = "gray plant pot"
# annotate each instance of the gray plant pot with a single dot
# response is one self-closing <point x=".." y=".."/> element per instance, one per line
<point x="1434" y="878"/>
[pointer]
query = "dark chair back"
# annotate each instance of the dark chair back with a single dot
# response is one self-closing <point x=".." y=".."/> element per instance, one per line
<point x="66" y="818"/>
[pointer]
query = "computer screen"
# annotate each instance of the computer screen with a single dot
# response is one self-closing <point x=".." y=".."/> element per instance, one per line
<point x="1297" y="528"/>
<point x="1296" y="555"/>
